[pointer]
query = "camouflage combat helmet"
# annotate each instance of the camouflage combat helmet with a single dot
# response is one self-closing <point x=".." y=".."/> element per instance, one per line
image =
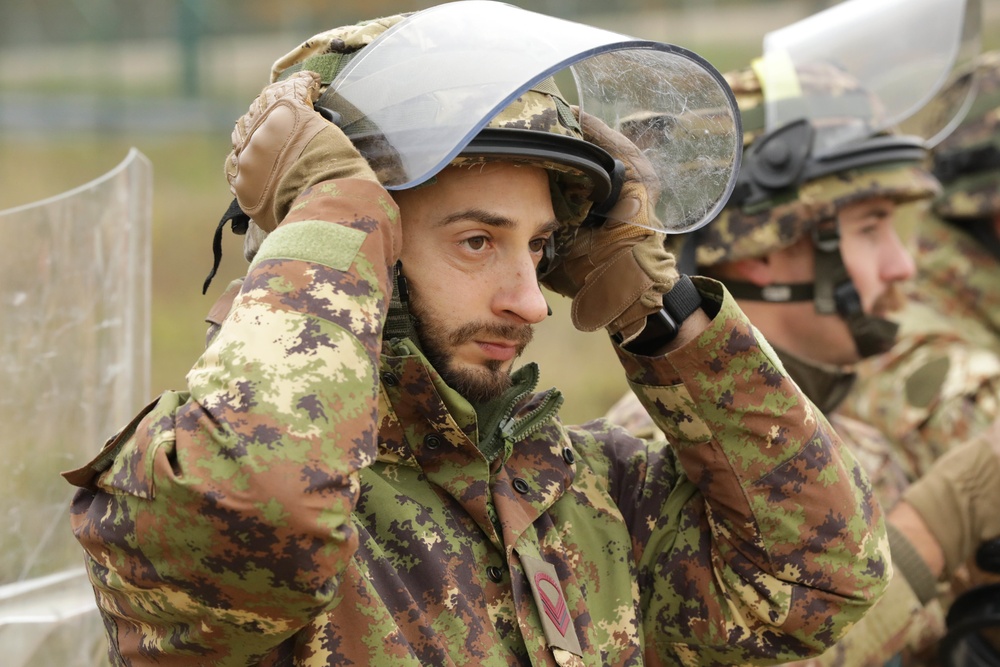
<point x="538" y="127"/>
<point x="760" y="220"/>
<point x="785" y="193"/>
<point x="968" y="161"/>
<point x="466" y="82"/>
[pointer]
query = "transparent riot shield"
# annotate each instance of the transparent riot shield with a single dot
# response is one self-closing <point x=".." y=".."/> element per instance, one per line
<point x="74" y="366"/>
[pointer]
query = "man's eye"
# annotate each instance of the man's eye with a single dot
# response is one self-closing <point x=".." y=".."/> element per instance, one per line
<point x="475" y="242"/>
<point x="538" y="245"/>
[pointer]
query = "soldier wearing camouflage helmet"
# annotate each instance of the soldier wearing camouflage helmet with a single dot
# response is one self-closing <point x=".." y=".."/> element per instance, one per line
<point x="808" y="247"/>
<point x="355" y="473"/>
<point x="940" y="383"/>
<point x="767" y="256"/>
<point x="943" y="375"/>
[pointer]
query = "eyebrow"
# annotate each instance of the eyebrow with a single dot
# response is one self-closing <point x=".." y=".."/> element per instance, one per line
<point x="492" y="220"/>
<point x="879" y="213"/>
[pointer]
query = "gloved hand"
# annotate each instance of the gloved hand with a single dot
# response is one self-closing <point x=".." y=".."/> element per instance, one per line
<point x="617" y="273"/>
<point x="959" y="498"/>
<point x="281" y="146"/>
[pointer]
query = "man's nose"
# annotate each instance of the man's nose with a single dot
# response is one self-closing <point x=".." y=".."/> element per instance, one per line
<point x="897" y="261"/>
<point x="518" y="295"/>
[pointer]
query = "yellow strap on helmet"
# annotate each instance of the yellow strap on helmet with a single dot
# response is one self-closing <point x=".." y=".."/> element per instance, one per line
<point x="777" y="76"/>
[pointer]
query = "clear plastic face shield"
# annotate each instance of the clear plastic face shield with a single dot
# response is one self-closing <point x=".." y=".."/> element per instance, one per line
<point x="423" y="90"/>
<point x="895" y="55"/>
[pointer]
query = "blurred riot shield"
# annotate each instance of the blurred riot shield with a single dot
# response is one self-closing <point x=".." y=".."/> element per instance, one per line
<point x="74" y="365"/>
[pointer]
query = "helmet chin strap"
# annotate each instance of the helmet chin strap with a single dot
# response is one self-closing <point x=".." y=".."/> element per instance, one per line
<point x="399" y="321"/>
<point x="832" y="291"/>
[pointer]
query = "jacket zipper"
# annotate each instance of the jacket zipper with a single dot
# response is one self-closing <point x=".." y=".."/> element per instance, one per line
<point x="514" y="430"/>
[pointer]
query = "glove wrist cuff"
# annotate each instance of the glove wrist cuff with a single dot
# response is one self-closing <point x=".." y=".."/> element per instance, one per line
<point x="662" y="327"/>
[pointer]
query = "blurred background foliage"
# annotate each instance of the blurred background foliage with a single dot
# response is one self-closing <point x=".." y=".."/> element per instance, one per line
<point x="83" y="80"/>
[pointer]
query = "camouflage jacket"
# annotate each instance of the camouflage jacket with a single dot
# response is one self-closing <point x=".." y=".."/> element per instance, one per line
<point x="898" y="624"/>
<point x="317" y="498"/>
<point x="940" y="383"/>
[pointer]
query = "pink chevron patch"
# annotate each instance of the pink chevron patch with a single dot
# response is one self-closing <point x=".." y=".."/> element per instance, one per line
<point x="552" y="600"/>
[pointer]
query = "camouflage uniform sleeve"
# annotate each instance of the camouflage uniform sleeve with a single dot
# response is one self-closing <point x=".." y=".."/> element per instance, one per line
<point x="221" y="526"/>
<point x="897" y="626"/>
<point x="779" y="545"/>
<point x="902" y="623"/>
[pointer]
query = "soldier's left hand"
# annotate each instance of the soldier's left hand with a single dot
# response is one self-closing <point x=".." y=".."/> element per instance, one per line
<point x="617" y="272"/>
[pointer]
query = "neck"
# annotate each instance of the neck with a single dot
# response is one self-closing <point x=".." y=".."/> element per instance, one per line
<point x="770" y="319"/>
<point x="826" y="386"/>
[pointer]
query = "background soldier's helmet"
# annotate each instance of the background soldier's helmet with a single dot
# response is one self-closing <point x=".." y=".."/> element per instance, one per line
<point x="967" y="162"/>
<point x="752" y="226"/>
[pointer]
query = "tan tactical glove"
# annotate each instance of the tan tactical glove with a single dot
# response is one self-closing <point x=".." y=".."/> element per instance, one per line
<point x="617" y="273"/>
<point x="959" y="498"/>
<point x="281" y="146"/>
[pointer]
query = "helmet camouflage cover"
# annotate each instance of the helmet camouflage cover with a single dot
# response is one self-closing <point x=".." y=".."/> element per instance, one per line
<point x="743" y="231"/>
<point x="541" y="109"/>
<point x="968" y="161"/>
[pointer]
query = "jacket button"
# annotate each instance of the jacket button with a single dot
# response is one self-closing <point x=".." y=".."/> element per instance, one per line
<point x="568" y="455"/>
<point x="389" y="379"/>
<point x="520" y="485"/>
<point x="494" y="573"/>
<point x="432" y="441"/>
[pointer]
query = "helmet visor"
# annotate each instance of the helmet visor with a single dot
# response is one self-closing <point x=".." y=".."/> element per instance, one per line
<point x="887" y="82"/>
<point x="416" y="97"/>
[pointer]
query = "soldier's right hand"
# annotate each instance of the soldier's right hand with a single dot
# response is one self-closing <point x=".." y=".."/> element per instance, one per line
<point x="281" y="146"/>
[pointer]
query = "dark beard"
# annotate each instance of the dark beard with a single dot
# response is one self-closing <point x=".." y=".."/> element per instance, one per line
<point x="477" y="384"/>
